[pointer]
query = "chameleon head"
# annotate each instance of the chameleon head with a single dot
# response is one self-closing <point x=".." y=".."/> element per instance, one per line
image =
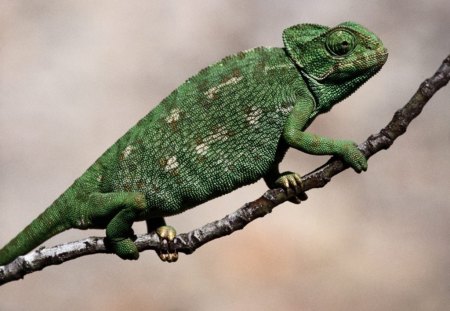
<point x="346" y="51"/>
<point x="335" y="61"/>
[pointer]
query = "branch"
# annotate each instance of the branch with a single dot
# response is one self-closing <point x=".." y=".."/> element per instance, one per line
<point x="188" y="242"/>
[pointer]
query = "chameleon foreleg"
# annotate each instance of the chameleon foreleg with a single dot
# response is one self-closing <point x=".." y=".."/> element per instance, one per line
<point x="319" y="145"/>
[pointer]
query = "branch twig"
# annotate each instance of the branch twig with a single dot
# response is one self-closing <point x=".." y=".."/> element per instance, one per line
<point x="188" y="242"/>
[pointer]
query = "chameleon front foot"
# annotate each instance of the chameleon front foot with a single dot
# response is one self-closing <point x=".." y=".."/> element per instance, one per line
<point x="293" y="181"/>
<point x="167" y="251"/>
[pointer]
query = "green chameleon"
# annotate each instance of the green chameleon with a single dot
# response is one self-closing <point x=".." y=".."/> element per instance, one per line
<point x="226" y="127"/>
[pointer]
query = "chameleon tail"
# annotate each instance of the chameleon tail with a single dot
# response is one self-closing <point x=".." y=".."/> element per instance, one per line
<point x="46" y="225"/>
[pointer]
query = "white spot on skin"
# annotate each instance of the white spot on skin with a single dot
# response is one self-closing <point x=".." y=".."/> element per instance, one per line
<point x="275" y="67"/>
<point x="215" y="89"/>
<point x="127" y="151"/>
<point x="218" y="135"/>
<point x="284" y="110"/>
<point x="201" y="149"/>
<point x="174" y="115"/>
<point x="171" y="164"/>
<point x="254" y="115"/>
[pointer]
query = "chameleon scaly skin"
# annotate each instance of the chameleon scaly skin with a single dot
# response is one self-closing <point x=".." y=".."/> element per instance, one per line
<point x="224" y="128"/>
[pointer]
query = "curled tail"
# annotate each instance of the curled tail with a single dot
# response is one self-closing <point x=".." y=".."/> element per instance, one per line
<point x="46" y="225"/>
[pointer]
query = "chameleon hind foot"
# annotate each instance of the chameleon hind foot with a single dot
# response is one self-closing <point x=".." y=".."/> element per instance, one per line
<point x="293" y="181"/>
<point x="125" y="248"/>
<point x="167" y="251"/>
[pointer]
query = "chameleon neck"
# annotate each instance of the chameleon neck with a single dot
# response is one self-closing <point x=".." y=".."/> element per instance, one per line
<point x="329" y="93"/>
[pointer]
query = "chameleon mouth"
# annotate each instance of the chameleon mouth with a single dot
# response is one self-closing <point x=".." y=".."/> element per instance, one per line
<point x="382" y="55"/>
<point x="376" y="59"/>
<point x="362" y="67"/>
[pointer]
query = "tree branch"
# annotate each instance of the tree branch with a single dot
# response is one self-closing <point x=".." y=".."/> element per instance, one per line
<point x="188" y="242"/>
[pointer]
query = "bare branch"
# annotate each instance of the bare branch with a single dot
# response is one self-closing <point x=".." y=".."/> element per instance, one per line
<point x="188" y="242"/>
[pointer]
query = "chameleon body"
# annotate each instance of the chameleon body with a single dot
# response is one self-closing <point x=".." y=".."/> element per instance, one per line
<point x="224" y="128"/>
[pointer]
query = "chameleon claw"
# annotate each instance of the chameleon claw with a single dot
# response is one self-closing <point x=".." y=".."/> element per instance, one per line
<point x="299" y="180"/>
<point x="353" y="156"/>
<point x="293" y="181"/>
<point x="124" y="247"/>
<point x="289" y="180"/>
<point x="167" y="251"/>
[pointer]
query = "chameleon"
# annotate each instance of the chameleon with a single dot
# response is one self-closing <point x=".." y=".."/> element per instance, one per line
<point x="225" y="127"/>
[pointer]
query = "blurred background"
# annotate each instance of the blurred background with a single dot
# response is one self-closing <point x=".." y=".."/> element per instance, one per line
<point x="75" y="75"/>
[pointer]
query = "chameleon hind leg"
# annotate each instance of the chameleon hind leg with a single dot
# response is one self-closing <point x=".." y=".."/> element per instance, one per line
<point x="120" y="210"/>
<point x="167" y="251"/>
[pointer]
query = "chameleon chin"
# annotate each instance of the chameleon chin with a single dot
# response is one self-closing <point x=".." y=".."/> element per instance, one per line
<point x="226" y="127"/>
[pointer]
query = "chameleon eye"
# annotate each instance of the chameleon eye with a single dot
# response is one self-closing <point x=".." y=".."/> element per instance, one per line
<point x="340" y="42"/>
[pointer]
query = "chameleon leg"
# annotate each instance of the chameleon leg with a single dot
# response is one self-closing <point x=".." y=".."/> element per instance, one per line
<point x="122" y="208"/>
<point x="166" y="235"/>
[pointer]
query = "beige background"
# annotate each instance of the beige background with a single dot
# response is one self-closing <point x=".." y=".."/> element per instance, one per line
<point x="75" y="75"/>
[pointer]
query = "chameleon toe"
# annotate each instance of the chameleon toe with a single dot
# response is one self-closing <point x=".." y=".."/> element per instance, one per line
<point x="126" y="249"/>
<point x="293" y="181"/>
<point x="167" y="251"/>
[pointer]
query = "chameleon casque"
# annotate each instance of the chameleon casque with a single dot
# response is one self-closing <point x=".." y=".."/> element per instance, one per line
<point x="226" y="127"/>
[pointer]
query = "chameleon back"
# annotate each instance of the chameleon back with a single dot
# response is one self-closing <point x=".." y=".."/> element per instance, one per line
<point x="219" y="129"/>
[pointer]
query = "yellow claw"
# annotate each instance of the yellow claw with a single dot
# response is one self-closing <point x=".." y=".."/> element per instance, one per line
<point x="294" y="182"/>
<point x="170" y="257"/>
<point x="298" y="179"/>
<point x="167" y="252"/>
<point x="166" y="232"/>
<point x="291" y="180"/>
